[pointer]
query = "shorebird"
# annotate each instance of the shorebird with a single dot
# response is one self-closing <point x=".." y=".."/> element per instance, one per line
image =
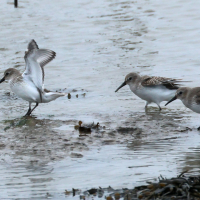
<point x="189" y="96"/>
<point x="152" y="89"/>
<point x="30" y="85"/>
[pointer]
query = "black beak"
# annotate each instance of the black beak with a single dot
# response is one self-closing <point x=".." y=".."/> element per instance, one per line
<point x="2" y="80"/>
<point x="174" y="98"/>
<point x="122" y="85"/>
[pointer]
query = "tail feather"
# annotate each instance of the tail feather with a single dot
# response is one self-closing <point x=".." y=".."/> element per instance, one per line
<point x="50" y="96"/>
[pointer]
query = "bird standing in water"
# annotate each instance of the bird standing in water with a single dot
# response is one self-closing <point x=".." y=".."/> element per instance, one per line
<point x="152" y="89"/>
<point x="30" y="85"/>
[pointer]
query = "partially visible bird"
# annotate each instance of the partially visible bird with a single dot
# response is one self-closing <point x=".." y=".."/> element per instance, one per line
<point x="190" y="97"/>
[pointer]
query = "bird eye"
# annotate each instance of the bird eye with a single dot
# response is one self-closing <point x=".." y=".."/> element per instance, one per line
<point x="7" y="74"/>
<point x="130" y="78"/>
<point x="180" y="92"/>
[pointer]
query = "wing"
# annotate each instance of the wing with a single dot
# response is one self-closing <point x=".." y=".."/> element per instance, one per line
<point x="32" y="45"/>
<point x="44" y="56"/>
<point x="196" y="96"/>
<point x="149" y="81"/>
<point x="36" y="59"/>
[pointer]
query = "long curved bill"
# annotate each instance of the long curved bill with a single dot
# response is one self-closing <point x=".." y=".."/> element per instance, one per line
<point x="122" y="85"/>
<point x="2" y="80"/>
<point x="174" y="98"/>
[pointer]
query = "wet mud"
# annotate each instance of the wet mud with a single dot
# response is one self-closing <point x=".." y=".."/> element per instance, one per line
<point x="46" y="140"/>
<point x="53" y="139"/>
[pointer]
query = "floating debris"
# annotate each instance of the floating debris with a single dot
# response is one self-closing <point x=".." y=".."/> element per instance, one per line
<point x="78" y="93"/>
<point x="87" y="129"/>
<point x="83" y="129"/>
<point x="92" y="191"/>
<point x="109" y="198"/>
<point x="67" y="192"/>
<point x="75" y="192"/>
<point x="84" y="94"/>
<point x="69" y="96"/>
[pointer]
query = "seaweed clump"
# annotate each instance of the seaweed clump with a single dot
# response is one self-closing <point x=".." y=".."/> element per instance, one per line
<point x="181" y="187"/>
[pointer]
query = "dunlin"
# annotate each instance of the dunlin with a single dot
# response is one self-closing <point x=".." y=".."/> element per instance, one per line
<point x="152" y="89"/>
<point x="189" y="96"/>
<point x="30" y="85"/>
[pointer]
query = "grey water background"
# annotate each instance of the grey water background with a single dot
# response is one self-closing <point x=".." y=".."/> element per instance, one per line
<point x="97" y="44"/>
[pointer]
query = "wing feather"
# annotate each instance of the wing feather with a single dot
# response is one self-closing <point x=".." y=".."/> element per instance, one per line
<point x="32" y="45"/>
<point x="160" y="81"/>
<point x="197" y="97"/>
<point x="36" y="59"/>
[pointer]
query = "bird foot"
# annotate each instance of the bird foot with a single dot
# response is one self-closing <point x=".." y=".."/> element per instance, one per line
<point x="28" y="113"/>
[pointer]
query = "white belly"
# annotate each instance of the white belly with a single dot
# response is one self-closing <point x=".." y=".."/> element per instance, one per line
<point x="26" y="91"/>
<point x="155" y="94"/>
<point x="194" y="107"/>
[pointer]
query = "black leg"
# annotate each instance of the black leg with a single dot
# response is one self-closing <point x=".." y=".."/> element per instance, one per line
<point x="29" y="110"/>
<point x="159" y="107"/>
<point x="36" y="105"/>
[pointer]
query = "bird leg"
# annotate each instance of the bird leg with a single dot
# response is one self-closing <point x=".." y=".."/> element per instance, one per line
<point x="147" y="103"/>
<point x="36" y="105"/>
<point x="29" y="110"/>
<point x="159" y="107"/>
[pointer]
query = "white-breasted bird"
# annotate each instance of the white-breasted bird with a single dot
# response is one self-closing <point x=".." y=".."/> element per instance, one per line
<point x="30" y="85"/>
<point x="152" y="89"/>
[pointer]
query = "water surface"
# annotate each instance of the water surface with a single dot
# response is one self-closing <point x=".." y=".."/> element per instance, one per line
<point x="97" y="44"/>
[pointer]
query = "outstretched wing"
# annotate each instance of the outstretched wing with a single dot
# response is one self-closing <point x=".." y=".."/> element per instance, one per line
<point x="160" y="81"/>
<point x="44" y="56"/>
<point x="36" y="59"/>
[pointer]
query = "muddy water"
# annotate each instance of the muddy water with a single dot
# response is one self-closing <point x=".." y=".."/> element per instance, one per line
<point x="97" y="44"/>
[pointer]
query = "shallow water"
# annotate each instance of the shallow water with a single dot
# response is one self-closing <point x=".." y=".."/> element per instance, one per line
<point x="97" y="44"/>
